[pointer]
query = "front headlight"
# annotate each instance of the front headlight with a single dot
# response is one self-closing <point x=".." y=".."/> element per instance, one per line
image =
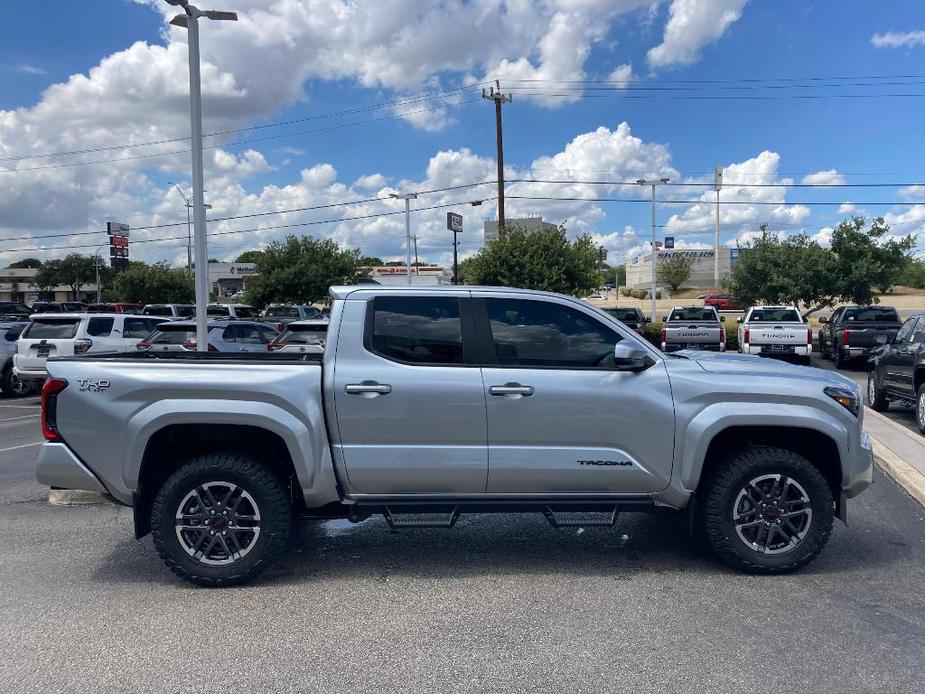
<point x="845" y="397"/>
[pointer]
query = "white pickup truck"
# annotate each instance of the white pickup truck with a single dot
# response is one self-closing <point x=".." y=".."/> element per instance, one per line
<point x="776" y="331"/>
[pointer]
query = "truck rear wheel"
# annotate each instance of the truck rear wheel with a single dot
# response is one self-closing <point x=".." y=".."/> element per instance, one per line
<point x="767" y="510"/>
<point x="220" y="519"/>
<point x="876" y="400"/>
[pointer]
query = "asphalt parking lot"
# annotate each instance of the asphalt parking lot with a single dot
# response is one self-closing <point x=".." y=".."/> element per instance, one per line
<point x="496" y="604"/>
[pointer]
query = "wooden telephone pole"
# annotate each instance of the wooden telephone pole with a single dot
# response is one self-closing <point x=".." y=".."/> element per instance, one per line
<point x="495" y="94"/>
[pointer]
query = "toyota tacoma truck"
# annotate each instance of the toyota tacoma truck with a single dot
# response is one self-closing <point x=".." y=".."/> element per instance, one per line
<point x="428" y="404"/>
<point x="776" y="331"/>
<point x="852" y="333"/>
<point x="693" y="327"/>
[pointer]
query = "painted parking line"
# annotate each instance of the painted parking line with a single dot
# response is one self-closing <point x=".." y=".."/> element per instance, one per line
<point x="19" y="407"/>
<point x="13" y="419"/>
<point x="24" y="445"/>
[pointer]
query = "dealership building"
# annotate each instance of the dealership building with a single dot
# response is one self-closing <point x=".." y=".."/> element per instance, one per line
<point x="639" y="267"/>
<point x="16" y="285"/>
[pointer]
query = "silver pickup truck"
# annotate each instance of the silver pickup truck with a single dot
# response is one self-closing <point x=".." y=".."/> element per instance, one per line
<point x="776" y="331"/>
<point x="693" y="327"/>
<point x="429" y="403"/>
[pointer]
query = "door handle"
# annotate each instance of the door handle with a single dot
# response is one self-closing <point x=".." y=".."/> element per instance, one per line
<point x="368" y="387"/>
<point x="511" y="389"/>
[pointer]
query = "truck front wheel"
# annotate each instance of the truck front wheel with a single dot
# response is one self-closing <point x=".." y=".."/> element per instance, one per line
<point x="220" y="519"/>
<point x="767" y="510"/>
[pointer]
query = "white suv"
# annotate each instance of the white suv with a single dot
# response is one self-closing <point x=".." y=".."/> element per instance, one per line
<point x="223" y="336"/>
<point x="68" y="334"/>
<point x="303" y="336"/>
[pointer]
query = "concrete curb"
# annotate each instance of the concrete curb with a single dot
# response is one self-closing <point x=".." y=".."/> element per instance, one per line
<point x="75" y="497"/>
<point x="901" y="472"/>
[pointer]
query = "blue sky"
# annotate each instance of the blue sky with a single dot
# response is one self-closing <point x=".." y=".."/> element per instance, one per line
<point x="73" y="79"/>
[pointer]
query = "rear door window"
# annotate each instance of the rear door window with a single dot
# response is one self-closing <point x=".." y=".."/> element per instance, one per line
<point x="137" y="328"/>
<point x="52" y="329"/>
<point x="417" y="330"/>
<point x="173" y="336"/>
<point x="185" y="310"/>
<point x="99" y="327"/>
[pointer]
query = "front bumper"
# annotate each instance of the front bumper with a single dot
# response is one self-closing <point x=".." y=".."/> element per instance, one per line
<point x="859" y="472"/>
<point x="58" y="467"/>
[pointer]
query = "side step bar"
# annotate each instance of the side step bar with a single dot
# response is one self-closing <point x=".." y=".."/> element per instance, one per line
<point x="583" y="519"/>
<point x="420" y="520"/>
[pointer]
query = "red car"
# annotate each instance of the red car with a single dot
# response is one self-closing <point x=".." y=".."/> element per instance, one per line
<point x="722" y="302"/>
<point x="114" y="308"/>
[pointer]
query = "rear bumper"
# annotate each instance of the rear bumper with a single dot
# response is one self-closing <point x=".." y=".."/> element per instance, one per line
<point x="57" y="466"/>
<point x="30" y="375"/>
<point x="768" y="351"/>
<point x="710" y="347"/>
<point x="850" y="352"/>
<point x="859" y="472"/>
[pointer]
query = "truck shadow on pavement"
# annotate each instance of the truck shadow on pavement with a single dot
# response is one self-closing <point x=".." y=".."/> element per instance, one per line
<point x="509" y="545"/>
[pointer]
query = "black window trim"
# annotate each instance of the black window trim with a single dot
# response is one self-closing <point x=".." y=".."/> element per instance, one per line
<point x="467" y="326"/>
<point x="488" y="357"/>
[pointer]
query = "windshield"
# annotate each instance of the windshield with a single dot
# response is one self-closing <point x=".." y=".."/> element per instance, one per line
<point x="693" y="314"/>
<point x="13" y="309"/>
<point x="777" y="315"/>
<point x="216" y="310"/>
<point x="623" y="314"/>
<point x="185" y="310"/>
<point x="304" y="335"/>
<point x="45" y="329"/>
<point x="283" y="312"/>
<point x="871" y="314"/>
<point x="172" y="335"/>
<point x="246" y="312"/>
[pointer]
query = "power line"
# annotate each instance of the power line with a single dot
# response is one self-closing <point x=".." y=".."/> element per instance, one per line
<point x="238" y="143"/>
<point x="359" y="109"/>
<point x="725" y="183"/>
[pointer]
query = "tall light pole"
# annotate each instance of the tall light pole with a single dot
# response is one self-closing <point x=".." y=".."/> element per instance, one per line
<point x="717" y="184"/>
<point x="407" y="197"/>
<point x="190" y="21"/>
<point x="653" y="183"/>
<point x="189" y="233"/>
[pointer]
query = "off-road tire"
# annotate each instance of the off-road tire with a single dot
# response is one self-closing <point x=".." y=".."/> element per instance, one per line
<point x="270" y="494"/>
<point x="718" y="498"/>
<point x="879" y="401"/>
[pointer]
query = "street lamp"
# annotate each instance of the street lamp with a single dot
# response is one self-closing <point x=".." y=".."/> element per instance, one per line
<point x="407" y="197"/>
<point x="190" y="21"/>
<point x="653" y="183"/>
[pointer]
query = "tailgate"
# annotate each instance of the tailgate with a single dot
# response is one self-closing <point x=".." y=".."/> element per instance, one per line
<point x="793" y="334"/>
<point x="692" y="334"/>
<point x="870" y="335"/>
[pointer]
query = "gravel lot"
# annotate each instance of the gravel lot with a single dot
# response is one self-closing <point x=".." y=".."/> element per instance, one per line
<point x="497" y="604"/>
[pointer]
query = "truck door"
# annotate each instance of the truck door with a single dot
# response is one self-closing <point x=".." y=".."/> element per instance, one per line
<point x="408" y="395"/>
<point x="901" y="360"/>
<point x="561" y="419"/>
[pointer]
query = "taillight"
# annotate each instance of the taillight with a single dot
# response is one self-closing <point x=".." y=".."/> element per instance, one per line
<point x="274" y="346"/>
<point x="82" y="345"/>
<point x="663" y="335"/>
<point x="143" y="346"/>
<point x="212" y="348"/>
<point x="190" y="345"/>
<point x="50" y="391"/>
<point x="722" y="335"/>
<point x="281" y="326"/>
<point x="844" y="336"/>
<point x="745" y="334"/>
<point x="809" y="336"/>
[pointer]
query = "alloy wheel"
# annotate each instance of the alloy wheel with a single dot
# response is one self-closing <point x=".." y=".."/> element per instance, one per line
<point x="218" y="523"/>
<point x="920" y="410"/>
<point x="772" y="514"/>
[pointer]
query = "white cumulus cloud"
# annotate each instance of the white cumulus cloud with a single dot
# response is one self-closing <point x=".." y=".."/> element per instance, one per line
<point x="826" y="178"/>
<point x="898" y="39"/>
<point x="692" y="24"/>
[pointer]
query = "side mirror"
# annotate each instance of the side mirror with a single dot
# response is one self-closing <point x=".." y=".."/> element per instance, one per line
<point x="722" y="319"/>
<point x="629" y="357"/>
<point x="823" y="319"/>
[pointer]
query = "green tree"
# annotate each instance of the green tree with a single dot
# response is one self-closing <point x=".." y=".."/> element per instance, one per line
<point x="150" y="284"/>
<point x="74" y="271"/>
<point x="797" y="270"/>
<point x="535" y="259"/>
<point x="32" y="263"/>
<point x="300" y="270"/>
<point x="913" y="275"/>
<point x="248" y="256"/>
<point x="674" y="270"/>
<point x="369" y="261"/>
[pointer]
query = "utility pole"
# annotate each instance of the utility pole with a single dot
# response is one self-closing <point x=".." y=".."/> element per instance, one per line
<point x="190" y="21"/>
<point x="717" y="184"/>
<point x="189" y="232"/>
<point x="407" y="197"/>
<point x="495" y="94"/>
<point x="415" y="240"/>
<point x="654" y="258"/>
